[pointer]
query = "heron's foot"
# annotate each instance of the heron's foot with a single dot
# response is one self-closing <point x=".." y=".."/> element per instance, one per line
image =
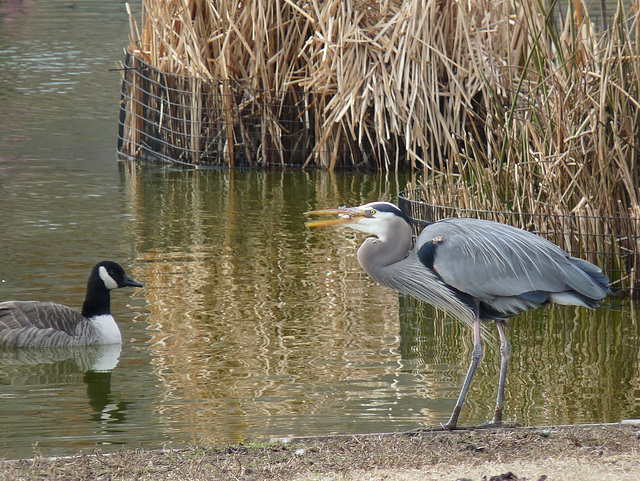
<point x="434" y="429"/>
<point x="427" y="430"/>
<point x="497" y="424"/>
<point x="497" y="421"/>
<point x="450" y="425"/>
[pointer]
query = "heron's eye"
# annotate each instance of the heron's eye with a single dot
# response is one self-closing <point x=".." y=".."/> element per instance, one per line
<point x="370" y="212"/>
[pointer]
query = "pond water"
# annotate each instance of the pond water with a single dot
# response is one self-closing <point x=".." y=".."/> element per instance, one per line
<point x="249" y="325"/>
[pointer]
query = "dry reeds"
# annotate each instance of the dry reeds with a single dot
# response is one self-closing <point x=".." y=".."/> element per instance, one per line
<point x="225" y="75"/>
<point x="557" y="139"/>
<point x="375" y="84"/>
<point x="394" y="83"/>
<point x="504" y="105"/>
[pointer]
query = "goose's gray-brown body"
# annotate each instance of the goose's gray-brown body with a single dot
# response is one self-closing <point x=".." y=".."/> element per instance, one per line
<point x="47" y="324"/>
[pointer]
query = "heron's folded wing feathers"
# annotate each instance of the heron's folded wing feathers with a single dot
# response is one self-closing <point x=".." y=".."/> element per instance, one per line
<point x="487" y="260"/>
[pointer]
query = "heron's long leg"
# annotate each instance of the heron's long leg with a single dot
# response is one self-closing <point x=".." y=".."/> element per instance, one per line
<point x="476" y="356"/>
<point x="505" y="354"/>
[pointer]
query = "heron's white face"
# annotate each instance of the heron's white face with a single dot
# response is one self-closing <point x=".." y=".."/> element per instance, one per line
<point x="377" y="218"/>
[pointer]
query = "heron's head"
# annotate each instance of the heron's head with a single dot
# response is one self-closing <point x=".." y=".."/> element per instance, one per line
<point x="377" y="218"/>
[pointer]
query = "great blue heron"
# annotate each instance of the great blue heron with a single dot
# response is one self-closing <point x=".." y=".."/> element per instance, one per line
<point x="476" y="270"/>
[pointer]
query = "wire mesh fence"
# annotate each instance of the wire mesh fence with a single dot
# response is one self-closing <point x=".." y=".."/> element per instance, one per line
<point x="204" y="122"/>
<point x="612" y="243"/>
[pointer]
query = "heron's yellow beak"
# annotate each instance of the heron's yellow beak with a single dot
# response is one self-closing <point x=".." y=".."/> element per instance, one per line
<point x="346" y="215"/>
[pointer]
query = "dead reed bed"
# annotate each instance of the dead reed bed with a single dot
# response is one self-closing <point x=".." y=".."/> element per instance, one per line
<point x="504" y="106"/>
<point x="205" y="79"/>
<point x="377" y="84"/>
<point x="555" y="141"/>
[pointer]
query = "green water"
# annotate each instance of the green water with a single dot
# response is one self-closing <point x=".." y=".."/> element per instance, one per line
<point x="249" y="325"/>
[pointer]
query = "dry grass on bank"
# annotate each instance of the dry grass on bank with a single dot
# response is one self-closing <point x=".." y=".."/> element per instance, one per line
<point x="585" y="453"/>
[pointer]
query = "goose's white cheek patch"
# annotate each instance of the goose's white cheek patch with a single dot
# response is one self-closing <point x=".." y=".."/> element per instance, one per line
<point x="107" y="279"/>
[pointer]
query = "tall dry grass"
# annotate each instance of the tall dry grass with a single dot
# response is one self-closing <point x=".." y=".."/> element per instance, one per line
<point x="554" y="134"/>
<point x="391" y="82"/>
<point x="555" y="129"/>
<point x="460" y="88"/>
<point x="503" y="105"/>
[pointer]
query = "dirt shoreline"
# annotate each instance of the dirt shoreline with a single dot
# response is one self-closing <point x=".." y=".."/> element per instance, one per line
<point x="594" y="452"/>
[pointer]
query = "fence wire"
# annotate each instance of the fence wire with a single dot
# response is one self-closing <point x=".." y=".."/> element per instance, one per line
<point x="204" y="122"/>
<point x="611" y="243"/>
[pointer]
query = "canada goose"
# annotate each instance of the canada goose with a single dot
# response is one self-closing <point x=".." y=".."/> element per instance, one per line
<point x="47" y="324"/>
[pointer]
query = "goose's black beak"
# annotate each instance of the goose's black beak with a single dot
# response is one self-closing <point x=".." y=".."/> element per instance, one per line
<point x="128" y="282"/>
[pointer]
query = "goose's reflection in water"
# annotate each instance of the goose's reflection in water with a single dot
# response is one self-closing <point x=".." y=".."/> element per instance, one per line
<point x="57" y="366"/>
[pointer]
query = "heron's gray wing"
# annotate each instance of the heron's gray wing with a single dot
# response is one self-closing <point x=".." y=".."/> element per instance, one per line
<point x="487" y="260"/>
<point x="39" y="315"/>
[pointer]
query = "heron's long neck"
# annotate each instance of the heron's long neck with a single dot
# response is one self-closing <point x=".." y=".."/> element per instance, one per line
<point x="377" y="257"/>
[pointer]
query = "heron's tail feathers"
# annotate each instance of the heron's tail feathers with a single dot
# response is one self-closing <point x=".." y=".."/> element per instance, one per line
<point x="594" y="272"/>
<point x="572" y="298"/>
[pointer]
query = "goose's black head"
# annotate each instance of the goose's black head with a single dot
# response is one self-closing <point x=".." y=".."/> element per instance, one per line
<point x="111" y="275"/>
<point x="105" y="277"/>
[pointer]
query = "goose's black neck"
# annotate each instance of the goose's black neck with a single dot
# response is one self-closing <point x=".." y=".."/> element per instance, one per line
<point x="98" y="299"/>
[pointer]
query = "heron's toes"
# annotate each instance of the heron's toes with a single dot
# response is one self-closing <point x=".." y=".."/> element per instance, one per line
<point x="497" y="424"/>
<point x="431" y="429"/>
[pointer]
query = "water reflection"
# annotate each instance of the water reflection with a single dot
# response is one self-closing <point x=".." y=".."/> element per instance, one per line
<point x="568" y="366"/>
<point x="55" y="365"/>
<point x="260" y="327"/>
<point x="252" y="326"/>
<point x="249" y="325"/>
<point x="32" y="375"/>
